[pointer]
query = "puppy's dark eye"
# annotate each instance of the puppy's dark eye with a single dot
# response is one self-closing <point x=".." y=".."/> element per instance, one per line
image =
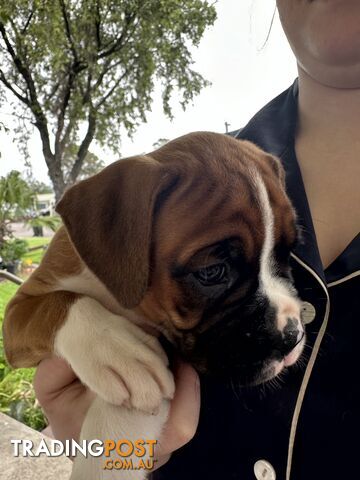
<point x="212" y="275"/>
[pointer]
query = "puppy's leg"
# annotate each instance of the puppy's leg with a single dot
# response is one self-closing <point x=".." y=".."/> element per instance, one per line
<point x="115" y="358"/>
<point x="109" y="422"/>
<point x="127" y="369"/>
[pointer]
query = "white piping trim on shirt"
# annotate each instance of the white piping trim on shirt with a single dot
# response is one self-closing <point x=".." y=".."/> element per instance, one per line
<point x="308" y="370"/>
<point x="344" y="279"/>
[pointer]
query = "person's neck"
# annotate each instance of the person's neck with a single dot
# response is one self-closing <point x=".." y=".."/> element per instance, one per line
<point x="327" y="145"/>
<point x="328" y="118"/>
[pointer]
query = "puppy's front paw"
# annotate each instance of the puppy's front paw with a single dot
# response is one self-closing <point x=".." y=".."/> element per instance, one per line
<point x="115" y="358"/>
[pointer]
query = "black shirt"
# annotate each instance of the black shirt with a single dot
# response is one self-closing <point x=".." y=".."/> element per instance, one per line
<point x="306" y="424"/>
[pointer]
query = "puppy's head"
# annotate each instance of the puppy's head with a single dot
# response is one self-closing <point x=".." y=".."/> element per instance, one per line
<point x="196" y="236"/>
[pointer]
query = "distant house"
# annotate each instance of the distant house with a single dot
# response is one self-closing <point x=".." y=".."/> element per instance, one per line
<point x="45" y="203"/>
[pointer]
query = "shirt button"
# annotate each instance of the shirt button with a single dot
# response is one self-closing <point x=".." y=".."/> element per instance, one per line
<point x="264" y="470"/>
<point x="308" y="312"/>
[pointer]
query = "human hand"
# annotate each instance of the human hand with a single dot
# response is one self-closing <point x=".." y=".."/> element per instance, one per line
<point x="184" y="413"/>
<point x="66" y="400"/>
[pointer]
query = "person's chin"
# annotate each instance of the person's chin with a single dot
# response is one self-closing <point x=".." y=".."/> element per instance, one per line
<point x="334" y="76"/>
<point x="332" y="32"/>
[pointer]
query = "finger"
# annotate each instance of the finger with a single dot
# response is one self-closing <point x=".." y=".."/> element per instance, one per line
<point x="184" y="411"/>
<point x="51" y="377"/>
<point x="63" y="397"/>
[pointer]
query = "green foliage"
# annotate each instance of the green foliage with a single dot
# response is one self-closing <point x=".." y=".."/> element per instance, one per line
<point x="17" y="397"/>
<point x="94" y="63"/>
<point x="13" y="250"/>
<point x="37" y="241"/>
<point x="14" y="191"/>
<point x="160" y="142"/>
<point x="39" y="187"/>
<point x="52" y="222"/>
<point x="35" y="256"/>
<point x="91" y="166"/>
<point x="15" y="199"/>
<point x="7" y="290"/>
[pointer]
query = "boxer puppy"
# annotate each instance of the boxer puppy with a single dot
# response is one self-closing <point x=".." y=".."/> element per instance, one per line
<point x="191" y="241"/>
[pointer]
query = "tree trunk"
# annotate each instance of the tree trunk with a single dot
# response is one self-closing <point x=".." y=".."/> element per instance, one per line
<point x="56" y="176"/>
<point x="59" y="187"/>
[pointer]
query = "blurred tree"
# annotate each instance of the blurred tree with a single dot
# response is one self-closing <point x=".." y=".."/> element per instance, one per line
<point x="81" y="69"/>
<point x="3" y="127"/>
<point x="37" y="186"/>
<point x="16" y="199"/>
<point x="160" y="142"/>
<point x="92" y="163"/>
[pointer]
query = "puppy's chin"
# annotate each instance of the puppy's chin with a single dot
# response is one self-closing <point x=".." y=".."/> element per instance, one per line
<point x="246" y="373"/>
<point x="241" y="376"/>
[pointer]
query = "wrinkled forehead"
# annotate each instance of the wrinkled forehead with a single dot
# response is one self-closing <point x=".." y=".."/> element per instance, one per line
<point x="207" y="207"/>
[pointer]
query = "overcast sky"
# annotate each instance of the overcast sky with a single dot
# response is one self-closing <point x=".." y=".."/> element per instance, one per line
<point x="244" y="77"/>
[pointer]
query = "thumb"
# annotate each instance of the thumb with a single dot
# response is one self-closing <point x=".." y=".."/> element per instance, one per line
<point x="184" y="410"/>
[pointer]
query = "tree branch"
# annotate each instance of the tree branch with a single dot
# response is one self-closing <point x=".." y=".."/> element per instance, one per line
<point x="53" y="91"/>
<point x="66" y="135"/>
<point x="83" y="149"/>
<point x="60" y="143"/>
<point x="112" y="89"/>
<point x="86" y="94"/>
<point x="98" y="26"/>
<point x="20" y="117"/>
<point x="116" y="46"/>
<point x="106" y="69"/>
<point x="23" y="30"/>
<point x="68" y="30"/>
<point x="12" y="89"/>
<point x="41" y="122"/>
<point x="61" y="117"/>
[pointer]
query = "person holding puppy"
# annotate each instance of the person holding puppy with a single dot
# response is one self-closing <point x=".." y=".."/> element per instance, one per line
<point x="304" y="429"/>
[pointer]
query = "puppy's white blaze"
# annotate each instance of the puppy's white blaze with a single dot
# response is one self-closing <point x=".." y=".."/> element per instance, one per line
<point x="279" y="292"/>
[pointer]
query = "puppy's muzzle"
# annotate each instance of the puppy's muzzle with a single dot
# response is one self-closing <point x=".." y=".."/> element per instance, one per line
<point x="247" y="348"/>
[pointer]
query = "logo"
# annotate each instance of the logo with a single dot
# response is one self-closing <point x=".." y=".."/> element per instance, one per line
<point x="122" y="454"/>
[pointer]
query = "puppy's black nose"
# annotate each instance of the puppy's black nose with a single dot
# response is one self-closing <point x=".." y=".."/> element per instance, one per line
<point x="292" y="335"/>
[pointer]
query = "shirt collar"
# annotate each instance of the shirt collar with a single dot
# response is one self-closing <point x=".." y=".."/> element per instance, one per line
<point x="347" y="264"/>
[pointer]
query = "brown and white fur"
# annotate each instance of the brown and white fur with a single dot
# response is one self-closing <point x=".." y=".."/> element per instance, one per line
<point x="190" y="242"/>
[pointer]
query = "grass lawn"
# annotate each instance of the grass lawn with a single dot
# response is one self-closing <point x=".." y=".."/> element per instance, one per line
<point x="17" y="397"/>
<point x="7" y="290"/>
<point x="36" y="255"/>
<point x="37" y="241"/>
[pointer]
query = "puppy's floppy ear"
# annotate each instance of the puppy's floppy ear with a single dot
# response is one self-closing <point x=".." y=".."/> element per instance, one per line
<point x="266" y="158"/>
<point x="277" y="168"/>
<point x="109" y="219"/>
